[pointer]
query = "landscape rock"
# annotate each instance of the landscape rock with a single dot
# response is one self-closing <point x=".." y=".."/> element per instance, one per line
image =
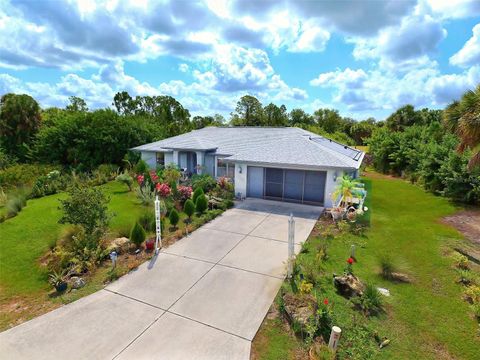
<point x="383" y="291"/>
<point x="120" y="245"/>
<point x="299" y="308"/>
<point x="77" y="282"/>
<point x="396" y="276"/>
<point x="349" y="285"/>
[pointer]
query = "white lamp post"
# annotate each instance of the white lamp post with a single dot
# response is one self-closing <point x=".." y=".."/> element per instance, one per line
<point x="158" y="238"/>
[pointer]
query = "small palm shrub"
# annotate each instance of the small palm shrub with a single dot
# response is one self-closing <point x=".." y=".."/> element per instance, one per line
<point x="137" y="235"/>
<point x="198" y="191"/>
<point x="126" y="179"/>
<point x="174" y="218"/>
<point x="145" y="194"/>
<point x="189" y="208"/>
<point x="201" y="204"/>
<point x="147" y="220"/>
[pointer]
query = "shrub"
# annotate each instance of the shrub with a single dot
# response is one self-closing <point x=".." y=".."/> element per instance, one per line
<point x="15" y="205"/>
<point x="126" y="179"/>
<point x="189" y="208"/>
<point x="229" y="203"/>
<point x="305" y="287"/>
<point x="371" y="300"/>
<point x="147" y="220"/>
<point x="466" y="277"/>
<point x="109" y="171"/>
<point x="204" y="181"/>
<point x="137" y="235"/>
<point x="472" y="294"/>
<point x="171" y="174"/>
<point x="145" y="194"/>
<point x="174" y="217"/>
<point x="88" y="208"/>
<point x="386" y="265"/>
<point x="184" y="193"/>
<point x="23" y="174"/>
<point x="461" y="261"/>
<point x="141" y="167"/>
<point x="201" y="204"/>
<point x="196" y="194"/>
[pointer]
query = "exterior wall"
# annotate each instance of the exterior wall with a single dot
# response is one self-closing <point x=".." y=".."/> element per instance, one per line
<point x="240" y="180"/>
<point x="150" y="158"/>
<point x="331" y="184"/>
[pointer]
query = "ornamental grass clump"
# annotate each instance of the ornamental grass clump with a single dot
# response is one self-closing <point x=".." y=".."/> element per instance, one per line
<point x="387" y="266"/>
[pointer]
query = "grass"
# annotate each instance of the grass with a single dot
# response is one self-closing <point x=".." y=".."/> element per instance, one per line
<point x="27" y="237"/>
<point x="426" y="319"/>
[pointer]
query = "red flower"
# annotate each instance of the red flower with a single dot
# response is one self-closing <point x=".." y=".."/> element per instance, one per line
<point x="350" y="260"/>
<point x="163" y="189"/>
<point x="140" y="179"/>
<point x="325" y="301"/>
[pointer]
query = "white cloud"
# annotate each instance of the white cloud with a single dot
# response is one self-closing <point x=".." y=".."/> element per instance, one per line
<point x="183" y="68"/>
<point x="368" y="91"/>
<point x="469" y="54"/>
<point x="453" y="9"/>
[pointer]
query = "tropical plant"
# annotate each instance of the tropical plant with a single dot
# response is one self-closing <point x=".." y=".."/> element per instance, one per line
<point x="56" y="279"/>
<point x="126" y="179"/>
<point x="204" y="181"/>
<point x="145" y="194"/>
<point x="463" y="118"/>
<point x="189" y="208"/>
<point x="346" y="189"/>
<point x="184" y="193"/>
<point x="201" y="204"/>
<point x="137" y="235"/>
<point x="174" y="218"/>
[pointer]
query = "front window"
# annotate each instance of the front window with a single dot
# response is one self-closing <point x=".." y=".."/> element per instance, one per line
<point x="160" y="159"/>
<point x="225" y="169"/>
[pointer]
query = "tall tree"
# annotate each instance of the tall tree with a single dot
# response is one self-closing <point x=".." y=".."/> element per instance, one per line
<point x="124" y="103"/>
<point x="275" y="116"/>
<point x="362" y="130"/>
<point x="199" y="122"/>
<point x="19" y="121"/>
<point x="249" y="112"/>
<point x="298" y="116"/>
<point x="463" y="118"/>
<point x="76" y="104"/>
<point x="403" y="117"/>
<point x="329" y="120"/>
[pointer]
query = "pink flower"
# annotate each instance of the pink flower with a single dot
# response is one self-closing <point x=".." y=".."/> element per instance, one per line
<point x="140" y="179"/>
<point x="163" y="190"/>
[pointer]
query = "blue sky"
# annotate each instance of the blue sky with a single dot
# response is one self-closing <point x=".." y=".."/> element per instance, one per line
<point x="364" y="58"/>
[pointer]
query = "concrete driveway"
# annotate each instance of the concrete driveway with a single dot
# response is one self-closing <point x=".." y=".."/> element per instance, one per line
<point x="204" y="297"/>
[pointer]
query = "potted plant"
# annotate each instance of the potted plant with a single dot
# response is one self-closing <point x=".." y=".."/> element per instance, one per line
<point x="351" y="214"/>
<point x="57" y="281"/>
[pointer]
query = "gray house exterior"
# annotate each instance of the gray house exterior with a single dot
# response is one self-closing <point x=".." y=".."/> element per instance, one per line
<point x="285" y="164"/>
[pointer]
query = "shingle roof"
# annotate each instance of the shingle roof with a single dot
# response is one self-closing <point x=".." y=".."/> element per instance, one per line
<point x="282" y="146"/>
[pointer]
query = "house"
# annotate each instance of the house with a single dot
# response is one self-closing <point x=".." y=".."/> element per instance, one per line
<point x="283" y="163"/>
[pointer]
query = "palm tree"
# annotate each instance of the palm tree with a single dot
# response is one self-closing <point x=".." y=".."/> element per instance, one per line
<point x="463" y="118"/>
<point x="346" y="189"/>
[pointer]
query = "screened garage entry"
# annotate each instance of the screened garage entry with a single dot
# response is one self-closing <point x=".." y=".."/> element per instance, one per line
<point x="301" y="186"/>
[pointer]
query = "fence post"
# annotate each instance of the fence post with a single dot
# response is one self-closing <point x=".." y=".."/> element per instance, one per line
<point x="334" y="337"/>
<point x="291" y="245"/>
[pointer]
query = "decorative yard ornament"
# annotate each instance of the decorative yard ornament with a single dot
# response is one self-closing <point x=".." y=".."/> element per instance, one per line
<point x="291" y="245"/>
<point x="158" y="228"/>
<point x="352" y="251"/>
<point x="334" y="337"/>
<point x="113" y="257"/>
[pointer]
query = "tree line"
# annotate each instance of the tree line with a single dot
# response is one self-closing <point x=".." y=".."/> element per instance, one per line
<point x="438" y="148"/>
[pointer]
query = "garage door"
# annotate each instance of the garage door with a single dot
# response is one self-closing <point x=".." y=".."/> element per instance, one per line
<point x="300" y="186"/>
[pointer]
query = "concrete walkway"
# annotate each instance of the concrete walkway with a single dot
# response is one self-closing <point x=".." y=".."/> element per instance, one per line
<point x="204" y="297"/>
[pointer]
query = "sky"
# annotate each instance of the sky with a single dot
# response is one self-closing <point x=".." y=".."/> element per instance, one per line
<point x="364" y="58"/>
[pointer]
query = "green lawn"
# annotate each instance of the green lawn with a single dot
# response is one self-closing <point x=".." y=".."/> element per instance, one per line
<point x="28" y="236"/>
<point x="424" y="320"/>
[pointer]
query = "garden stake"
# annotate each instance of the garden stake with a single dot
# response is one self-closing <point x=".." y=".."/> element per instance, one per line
<point x="334" y="337"/>
<point x="158" y="228"/>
